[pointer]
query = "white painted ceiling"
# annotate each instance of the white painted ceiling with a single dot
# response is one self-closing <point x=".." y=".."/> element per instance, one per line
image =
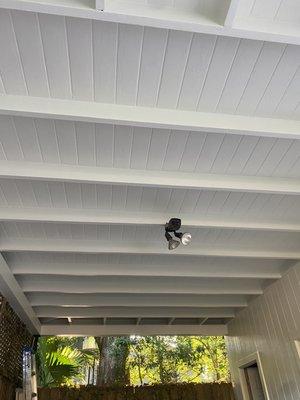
<point x="204" y="125"/>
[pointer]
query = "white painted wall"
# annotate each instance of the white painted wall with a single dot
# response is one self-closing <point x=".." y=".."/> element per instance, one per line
<point x="270" y="325"/>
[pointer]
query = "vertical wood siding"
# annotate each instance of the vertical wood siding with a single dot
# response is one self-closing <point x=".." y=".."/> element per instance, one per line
<point x="270" y="325"/>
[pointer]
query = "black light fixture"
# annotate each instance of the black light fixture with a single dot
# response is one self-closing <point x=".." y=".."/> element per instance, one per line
<point x="173" y="243"/>
<point x="172" y="227"/>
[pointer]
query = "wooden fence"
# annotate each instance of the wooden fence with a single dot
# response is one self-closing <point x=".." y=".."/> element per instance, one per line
<point x="206" y="391"/>
<point x="7" y="389"/>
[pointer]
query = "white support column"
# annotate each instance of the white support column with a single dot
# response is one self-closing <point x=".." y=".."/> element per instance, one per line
<point x="11" y="290"/>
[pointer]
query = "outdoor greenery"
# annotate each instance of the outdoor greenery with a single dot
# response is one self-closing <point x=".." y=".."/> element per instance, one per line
<point x="132" y="360"/>
<point x="168" y="359"/>
<point x="61" y="361"/>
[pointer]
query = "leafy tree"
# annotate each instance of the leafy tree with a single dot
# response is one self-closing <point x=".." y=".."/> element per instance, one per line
<point x="212" y="353"/>
<point x="113" y="367"/>
<point x="135" y="360"/>
<point x="162" y="359"/>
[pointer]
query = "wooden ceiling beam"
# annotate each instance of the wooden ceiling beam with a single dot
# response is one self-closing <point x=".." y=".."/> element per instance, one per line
<point x="148" y="178"/>
<point x="138" y="285"/>
<point x="132" y="312"/>
<point x="124" y="217"/>
<point x="123" y="247"/>
<point x="125" y="330"/>
<point x="161" y="17"/>
<point x="136" y="300"/>
<point x="151" y="117"/>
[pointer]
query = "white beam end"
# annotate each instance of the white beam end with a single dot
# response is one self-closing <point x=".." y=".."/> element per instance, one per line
<point x="100" y="5"/>
<point x="231" y="13"/>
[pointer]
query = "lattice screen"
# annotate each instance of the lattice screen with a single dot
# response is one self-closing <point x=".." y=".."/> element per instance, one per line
<point x="13" y="337"/>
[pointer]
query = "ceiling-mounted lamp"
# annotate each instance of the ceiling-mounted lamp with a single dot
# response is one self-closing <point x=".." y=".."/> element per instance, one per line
<point x="172" y="227"/>
<point x="185" y="238"/>
<point x="172" y="243"/>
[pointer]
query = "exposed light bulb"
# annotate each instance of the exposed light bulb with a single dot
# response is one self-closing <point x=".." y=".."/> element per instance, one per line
<point x="173" y="244"/>
<point x="186" y="238"/>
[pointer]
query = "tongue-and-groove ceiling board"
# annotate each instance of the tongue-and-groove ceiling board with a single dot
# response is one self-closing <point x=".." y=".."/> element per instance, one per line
<point x="109" y="129"/>
<point x="106" y="62"/>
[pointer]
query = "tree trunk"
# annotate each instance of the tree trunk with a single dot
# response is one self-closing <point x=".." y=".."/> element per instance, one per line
<point x="112" y="368"/>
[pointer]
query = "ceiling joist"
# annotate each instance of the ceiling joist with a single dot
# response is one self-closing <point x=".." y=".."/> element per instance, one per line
<point x="84" y="111"/>
<point x="137" y="300"/>
<point x="125" y="330"/>
<point x="201" y="270"/>
<point x="123" y="247"/>
<point x="160" y="17"/>
<point x="158" y="179"/>
<point x="132" y="312"/>
<point x="138" y="285"/>
<point x="98" y="216"/>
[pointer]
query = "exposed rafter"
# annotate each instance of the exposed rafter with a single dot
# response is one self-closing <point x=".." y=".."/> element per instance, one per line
<point x="87" y="216"/>
<point x="99" y="247"/>
<point x="138" y="285"/>
<point x="201" y="270"/>
<point x="161" y="17"/>
<point x="132" y="312"/>
<point x="125" y="330"/>
<point x="167" y="179"/>
<point x="134" y="300"/>
<point x="84" y="111"/>
<point x="10" y="288"/>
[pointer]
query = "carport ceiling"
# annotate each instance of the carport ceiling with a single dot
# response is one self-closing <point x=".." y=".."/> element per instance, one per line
<point x="109" y="129"/>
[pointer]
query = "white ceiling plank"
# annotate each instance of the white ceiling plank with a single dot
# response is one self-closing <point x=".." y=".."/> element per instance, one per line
<point x="11" y="290"/>
<point x="111" y="217"/>
<point x="86" y="111"/>
<point x="138" y="285"/>
<point x="125" y="330"/>
<point x="136" y="300"/>
<point x="123" y="247"/>
<point x="127" y="312"/>
<point x="203" y="270"/>
<point x="166" y="179"/>
<point x="232" y="12"/>
<point x="141" y="14"/>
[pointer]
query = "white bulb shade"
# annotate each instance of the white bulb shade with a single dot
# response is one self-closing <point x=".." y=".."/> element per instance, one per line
<point x="186" y="239"/>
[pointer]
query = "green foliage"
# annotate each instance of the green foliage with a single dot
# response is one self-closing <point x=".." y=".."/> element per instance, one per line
<point x="60" y="361"/>
<point x="164" y="359"/>
<point x="151" y="359"/>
